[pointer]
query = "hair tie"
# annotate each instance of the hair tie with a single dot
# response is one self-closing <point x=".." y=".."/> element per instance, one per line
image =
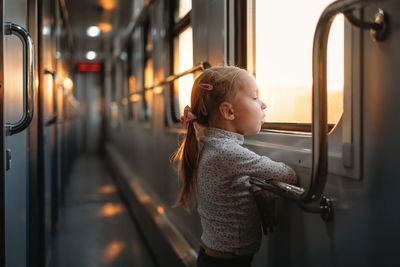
<point x="187" y="117"/>
<point x="206" y="86"/>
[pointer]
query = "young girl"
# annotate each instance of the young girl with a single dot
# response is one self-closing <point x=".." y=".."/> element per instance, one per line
<point x="215" y="168"/>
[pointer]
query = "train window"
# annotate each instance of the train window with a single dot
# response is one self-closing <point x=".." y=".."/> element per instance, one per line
<point x="182" y="56"/>
<point x="130" y="79"/>
<point x="125" y="83"/>
<point x="183" y="8"/>
<point x="183" y="47"/>
<point x="114" y="114"/>
<point x="282" y="59"/>
<point x="148" y="82"/>
<point x="148" y="70"/>
<point x="136" y="77"/>
<point x="132" y="82"/>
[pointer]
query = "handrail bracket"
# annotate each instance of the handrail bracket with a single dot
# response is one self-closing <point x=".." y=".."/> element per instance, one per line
<point x="325" y="208"/>
<point x="378" y="28"/>
<point x="296" y="194"/>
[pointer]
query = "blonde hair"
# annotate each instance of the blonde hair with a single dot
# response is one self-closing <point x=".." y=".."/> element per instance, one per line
<point x="225" y="84"/>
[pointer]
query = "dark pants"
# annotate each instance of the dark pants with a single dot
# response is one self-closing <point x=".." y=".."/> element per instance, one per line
<point x="204" y="260"/>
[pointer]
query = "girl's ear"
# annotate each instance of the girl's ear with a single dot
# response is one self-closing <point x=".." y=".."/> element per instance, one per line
<point x="226" y="111"/>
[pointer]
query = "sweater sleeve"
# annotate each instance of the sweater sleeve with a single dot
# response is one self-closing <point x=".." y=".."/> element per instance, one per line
<point x="244" y="162"/>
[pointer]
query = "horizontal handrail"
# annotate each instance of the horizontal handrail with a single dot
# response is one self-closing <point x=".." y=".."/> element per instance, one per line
<point x="280" y="188"/>
<point x="319" y="115"/>
<point x="133" y="25"/>
<point x="201" y="66"/>
<point x="67" y="21"/>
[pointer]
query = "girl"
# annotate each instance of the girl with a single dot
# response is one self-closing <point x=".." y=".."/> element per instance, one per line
<point x="215" y="167"/>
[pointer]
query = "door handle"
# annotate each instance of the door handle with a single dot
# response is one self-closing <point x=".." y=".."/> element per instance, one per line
<point x="54" y="118"/>
<point x="28" y="54"/>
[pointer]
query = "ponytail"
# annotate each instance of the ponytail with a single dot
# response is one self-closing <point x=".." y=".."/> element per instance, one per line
<point x="187" y="156"/>
<point x="212" y="87"/>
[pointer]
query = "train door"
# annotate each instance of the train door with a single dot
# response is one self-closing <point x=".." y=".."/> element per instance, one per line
<point x="48" y="118"/>
<point x="21" y="240"/>
<point x="2" y="184"/>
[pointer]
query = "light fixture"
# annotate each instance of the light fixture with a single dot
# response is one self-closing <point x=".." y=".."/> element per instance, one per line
<point x="93" y="31"/>
<point x="108" y="4"/>
<point x="68" y="84"/>
<point x="46" y="30"/>
<point x="90" y="55"/>
<point x="123" y="56"/>
<point x="105" y="27"/>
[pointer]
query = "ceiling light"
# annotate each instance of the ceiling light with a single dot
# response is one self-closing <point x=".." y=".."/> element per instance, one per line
<point x="123" y="56"/>
<point x="90" y="55"/>
<point x="93" y="31"/>
<point x="46" y="30"/>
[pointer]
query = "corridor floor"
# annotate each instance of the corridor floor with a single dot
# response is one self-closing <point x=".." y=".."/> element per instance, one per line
<point x="95" y="228"/>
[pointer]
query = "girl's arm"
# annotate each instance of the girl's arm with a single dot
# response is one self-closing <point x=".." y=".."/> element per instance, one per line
<point x="247" y="163"/>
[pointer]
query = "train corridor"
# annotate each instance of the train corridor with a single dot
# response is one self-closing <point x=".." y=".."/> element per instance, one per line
<point x="94" y="104"/>
<point x="95" y="228"/>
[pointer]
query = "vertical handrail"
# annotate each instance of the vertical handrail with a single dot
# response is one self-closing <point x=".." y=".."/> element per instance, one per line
<point x="203" y="65"/>
<point x="23" y="35"/>
<point x="319" y="111"/>
<point x="320" y="95"/>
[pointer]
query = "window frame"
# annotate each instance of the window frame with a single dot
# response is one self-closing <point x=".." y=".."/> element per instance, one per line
<point x="245" y="41"/>
<point x="292" y="143"/>
<point x="176" y="29"/>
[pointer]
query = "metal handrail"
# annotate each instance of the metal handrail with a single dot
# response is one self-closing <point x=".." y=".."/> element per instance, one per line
<point x="133" y="25"/>
<point x="23" y="35"/>
<point x="201" y="66"/>
<point x="319" y="113"/>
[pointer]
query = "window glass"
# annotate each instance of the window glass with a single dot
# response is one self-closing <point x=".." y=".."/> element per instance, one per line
<point x="283" y="61"/>
<point x="149" y="41"/>
<point x="131" y="88"/>
<point x="132" y="83"/>
<point x="148" y="82"/>
<point x="183" y="61"/>
<point x="184" y="6"/>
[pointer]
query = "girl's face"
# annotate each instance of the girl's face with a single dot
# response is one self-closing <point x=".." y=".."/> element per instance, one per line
<point x="247" y="107"/>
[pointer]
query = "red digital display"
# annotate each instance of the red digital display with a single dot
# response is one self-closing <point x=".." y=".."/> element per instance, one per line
<point x="85" y="67"/>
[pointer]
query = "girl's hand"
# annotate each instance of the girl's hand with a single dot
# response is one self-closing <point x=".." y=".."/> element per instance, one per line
<point x="267" y="208"/>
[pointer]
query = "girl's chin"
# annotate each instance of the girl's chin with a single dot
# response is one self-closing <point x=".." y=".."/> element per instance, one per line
<point x="255" y="132"/>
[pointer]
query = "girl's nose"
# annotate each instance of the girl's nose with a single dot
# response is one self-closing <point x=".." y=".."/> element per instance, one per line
<point x="263" y="105"/>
